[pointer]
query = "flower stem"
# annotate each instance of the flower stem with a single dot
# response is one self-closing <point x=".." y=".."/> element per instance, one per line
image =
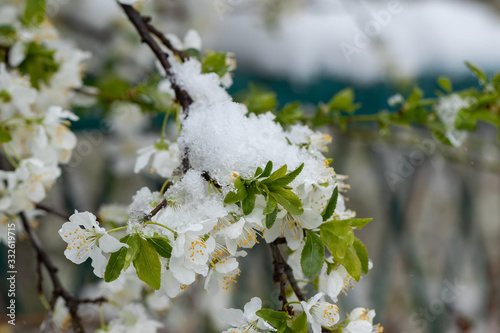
<point x="164" y="226"/>
<point x="164" y="125"/>
<point x="101" y="317"/>
<point x="9" y="158"/>
<point x="294" y="302"/>
<point x="117" y="229"/>
<point x="163" y="186"/>
<point x="44" y="302"/>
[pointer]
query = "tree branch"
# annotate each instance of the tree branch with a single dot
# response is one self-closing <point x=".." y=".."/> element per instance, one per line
<point x="72" y="303"/>
<point x="183" y="56"/>
<point x="51" y="210"/>
<point x="293" y="282"/>
<point x="279" y="276"/>
<point x="283" y="271"/>
<point x="144" y="28"/>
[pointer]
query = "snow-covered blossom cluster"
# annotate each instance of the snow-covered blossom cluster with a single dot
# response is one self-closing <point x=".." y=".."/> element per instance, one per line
<point x="38" y="74"/>
<point x="191" y="229"/>
<point x="231" y="179"/>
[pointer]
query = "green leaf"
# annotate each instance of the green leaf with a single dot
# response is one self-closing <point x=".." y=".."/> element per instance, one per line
<point x="358" y="223"/>
<point x="362" y="253"/>
<point x="445" y="84"/>
<point x="287" y="179"/>
<point x="415" y="97"/>
<point x="337" y="236"/>
<point x="270" y="206"/>
<point x="5" y="135"/>
<point x="275" y="318"/>
<point x="39" y="64"/>
<point x="248" y="203"/>
<point x="258" y="100"/>
<point x="241" y="192"/>
<point x="267" y="170"/>
<point x="258" y="172"/>
<point x="331" y="205"/>
<point x="115" y="265"/>
<point x="276" y="175"/>
<point x="134" y="245"/>
<point x="192" y="52"/>
<point x="215" y="63"/>
<point x="147" y="264"/>
<point x="7" y="37"/>
<point x="478" y="73"/>
<point x="351" y="263"/>
<point x="438" y="129"/>
<point x="313" y="255"/>
<point x="343" y="101"/>
<point x="271" y="218"/>
<point x="496" y="80"/>
<point x="300" y="324"/>
<point x="114" y="87"/>
<point x="465" y="120"/>
<point x="290" y="114"/>
<point x="34" y="14"/>
<point x="288" y="200"/>
<point x="161" y="245"/>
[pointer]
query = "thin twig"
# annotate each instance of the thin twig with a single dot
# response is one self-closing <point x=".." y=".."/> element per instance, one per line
<point x="183" y="56"/>
<point x="51" y="210"/>
<point x="293" y="282"/>
<point x="72" y="303"/>
<point x="142" y="26"/>
<point x="159" y="206"/>
<point x="287" y="270"/>
<point x="155" y="211"/>
<point x="279" y="276"/>
<point x="281" y="271"/>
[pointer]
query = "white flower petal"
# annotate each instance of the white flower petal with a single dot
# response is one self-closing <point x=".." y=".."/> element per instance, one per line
<point x="233" y="317"/>
<point x="99" y="262"/>
<point x="109" y="244"/>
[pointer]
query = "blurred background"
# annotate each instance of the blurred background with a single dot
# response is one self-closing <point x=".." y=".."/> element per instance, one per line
<point x="435" y="238"/>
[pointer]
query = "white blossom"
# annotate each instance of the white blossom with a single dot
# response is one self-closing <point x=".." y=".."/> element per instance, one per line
<point x="59" y="319"/>
<point x="361" y="321"/>
<point x="192" y="40"/>
<point x="115" y="213"/>
<point x="125" y="289"/>
<point x="312" y="140"/>
<point x="247" y="320"/>
<point x="241" y="233"/>
<point x="165" y="158"/>
<point x="28" y="184"/>
<point x="336" y="282"/>
<point x="133" y="318"/>
<point x="86" y="239"/>
<point x="190" y="255"/>
<point x="447" y="110"/>
<point x="395" y="100"/>
<point x="222" y="273"/>
<point x="16" y="94"/>
<point x="320" y="313"/>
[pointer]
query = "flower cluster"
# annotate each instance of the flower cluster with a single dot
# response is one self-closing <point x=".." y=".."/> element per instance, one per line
<point x="247" y="180"/>
<point x="231" y="179"/>
<point x="38" y="73"/>
<point x="318" y="314"/>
